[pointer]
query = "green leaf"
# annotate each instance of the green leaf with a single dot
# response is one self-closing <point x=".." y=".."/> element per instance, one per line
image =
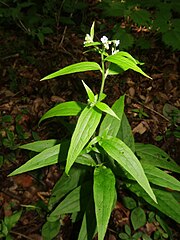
<point x="50" y="230"/>
<point x="141" y="17"/>
<point x="74" y="68"/>
<point x="125" y="62"/>
<point x="110" y="124"/>
<point x="86" y="126"/>
<point x="104" y="193"/>
<point x="92" y="30"/>
<point x="105" y="108"/>
<point x="127" y="229"/>
<point x="114" y="69"/>
<point x="160" y="178"/>
<point x="123" y="236"/>
<point x="126" y="158"/>
<point x="86" y="159"/>
<point x="125" y="133"/>
<point x="10" y="221"/>
<point x="64" y="109"/>
<point x="172" y="38"/>
<point x="66" y="184"/>
<point x="138" y="218"/>
<point x="167" y="204"/>
<point x="129" y="202"/>
<point x="39" y="146"/>
<point x="47" y="157"/>
<point x="155" y="156"/>
<point x="127" y="39"/>
<point x="75" y="201"/>
<point x="88" y="227"/>
<point x="89" y="92"/>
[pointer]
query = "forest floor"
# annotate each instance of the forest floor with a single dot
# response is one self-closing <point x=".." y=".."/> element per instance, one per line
<point x="24" y="99"/>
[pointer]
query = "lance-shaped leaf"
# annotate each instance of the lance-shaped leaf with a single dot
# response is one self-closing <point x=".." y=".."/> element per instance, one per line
<point x="92" y="30"/>
<point x="111" y="124"/>
<point x="74" y="68"/>
<point x="39" y="146"/>
<point x="88" y="227"/>
<point x="89" y="92"/>
<point x="105" y="108"/>
<point x="160" y="178"/>
<point x="47" y="157"/>
<point x="166" y="201"/>
<point x="75" y="201"/>
<point x="125" y="133"/>
<point x="126" y="158"/>
<point x="125" y="62"/>
<point x="155" y="156"/>
<point x="104" y="195"/>
<point x="86" y="126"/>
<point x="71" y="108"/>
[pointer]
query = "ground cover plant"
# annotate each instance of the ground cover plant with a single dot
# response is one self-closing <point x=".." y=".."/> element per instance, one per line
<point x="101" y="154"/>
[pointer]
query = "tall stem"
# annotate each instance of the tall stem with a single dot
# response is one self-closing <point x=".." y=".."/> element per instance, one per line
<point x="103" y="74"/>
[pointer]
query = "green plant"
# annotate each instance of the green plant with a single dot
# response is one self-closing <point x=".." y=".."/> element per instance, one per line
<point x="141" y="219"/>
<point x="101" y="150"/>
<point x="173" y="114"/>
<point x="8" y="223"/>
<point x="39" y="20"/>
<point x="161" y="17"/>
<point x="140" y="112"/>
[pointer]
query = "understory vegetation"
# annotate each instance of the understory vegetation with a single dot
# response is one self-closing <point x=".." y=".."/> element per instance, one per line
<point x="90" y="120"/>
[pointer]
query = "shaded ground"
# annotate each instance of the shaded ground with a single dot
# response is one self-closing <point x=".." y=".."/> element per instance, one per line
<point x="23" y="97"/>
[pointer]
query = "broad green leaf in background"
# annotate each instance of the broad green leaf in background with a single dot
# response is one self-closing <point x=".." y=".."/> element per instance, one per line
<point x="125" y="133"/>
<point x="71" y="108"/>
<point x="160" y="178"/>
<point x="75" y="201"/>
<point x="50" y="230"/>
<point x="85" y="128"/>
<point x="138" y="218"/>
<point x="89" y="92"/>
<point x="125" y="63"/>
<point x="141" y="17"/>
<point x="47" y="157"/>
<point x="167" y="204"/>
<point x="39" y="146"/>
<point x="66" y="184"/>
<point x="105" y="108"/>
<point x="156" y="157"/>
<point x="111" y="124"/>
<point x="104" y="194"/>
<point x="127" y="39"/>
<point x="74" y="68"/>
<point x="119" y="151"/>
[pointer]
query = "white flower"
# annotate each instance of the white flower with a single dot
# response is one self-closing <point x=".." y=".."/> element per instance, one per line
<point x="117" y="42"/>
<point x="105" y="42"/>
<point x="104" y="39"/>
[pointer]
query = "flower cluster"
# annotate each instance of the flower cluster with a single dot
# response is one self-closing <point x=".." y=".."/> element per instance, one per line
<point x="106" y="44"/>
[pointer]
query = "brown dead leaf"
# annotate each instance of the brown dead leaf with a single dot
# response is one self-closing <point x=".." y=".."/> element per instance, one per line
<point x="57" y="99"/>
<point x="150" y="228"/>
<point x="35" y="237"/>
<point x="7" y="209"/>
<point x="141" y="128"/>
<point x="23" y="180"/>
